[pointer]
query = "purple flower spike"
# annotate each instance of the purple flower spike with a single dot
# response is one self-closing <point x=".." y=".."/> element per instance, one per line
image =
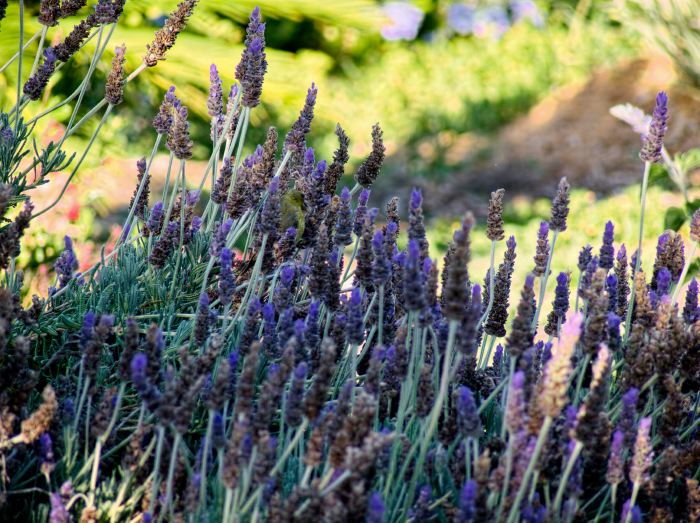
<point x="227" y="283"/>
<point x="467" y="503"/>
<point x="355" y="320"/>
<point x="381" y="265"/>
<point x="86" y="329"/>
<point x="691" y="313"/>
<point x="59" y="513"/>
<point x="215" y="102"/>
<point x="606" y="258"/>
<point x="615" y="472"/>
<point x="416" y="199"/>
<point x="250" y="71"/>
<point x="653" y="142"/>
<point x="626" y="421"/>
<point x="468" y="419"/>
<point x="376" y="509"/>
<point x="219" y="240"/>
<point x="66" y="264"/>
<point x="561" y="296"/>
<point x="295" y="141"/>
<point x="635" y="517"/>
<point x="663" y="282"/>
<point x="414" y="279"/>
<point x="585" y="257"/>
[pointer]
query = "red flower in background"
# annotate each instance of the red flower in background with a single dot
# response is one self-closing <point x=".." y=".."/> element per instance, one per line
<point x="73" y="213"/>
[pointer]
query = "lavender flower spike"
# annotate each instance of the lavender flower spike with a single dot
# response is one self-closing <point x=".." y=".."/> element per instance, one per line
<point x="467" y="414"/>
<point x="218" y="241"/>
<point x="653" y="142"/>
<point x="215" y="101"/>
<point x="251" y="70"/>
<point x="368" y="171"/>
<point x="227" y="283"/>
<point x="606" y="258"/>
<point x="376" y="509"/>
<point x="179" y="141"/>
<point x="467" y="503"/>
<point x="34" y="87"/>
<point x="691" y="312"/>
<point x="164" y="117"/>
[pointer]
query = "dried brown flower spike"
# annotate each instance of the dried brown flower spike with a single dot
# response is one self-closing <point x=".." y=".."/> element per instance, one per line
<point x="38" y="423"/>
<point x="494" y="219"/>
<point x="165" y="36"/>
<point x="114" y="90"/>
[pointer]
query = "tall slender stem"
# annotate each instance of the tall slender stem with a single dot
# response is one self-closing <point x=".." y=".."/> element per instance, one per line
<point x="684" y="273"/>
<point x="156" y="468"/>
<point x="19" y="61"/>
<point x="139" y="191"/>
<point x="436" y="410"/>
<point x="380" y="319"/>
<point x="492" y="279"/>
<point x="633" y="500"/>
<point x="171" y="475"/>
<point x="39" y="48"/>
<point x="541" y="438"/>
<point x="638" y="260"/>
<point x="565" y="477"/>
<point x="16" y="55"/>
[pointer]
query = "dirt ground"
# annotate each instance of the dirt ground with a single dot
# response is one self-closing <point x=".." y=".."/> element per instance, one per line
<point x="570" y="133"/>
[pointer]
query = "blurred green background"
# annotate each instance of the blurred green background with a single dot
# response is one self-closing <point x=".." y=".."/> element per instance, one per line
<point x="456" y="85"/>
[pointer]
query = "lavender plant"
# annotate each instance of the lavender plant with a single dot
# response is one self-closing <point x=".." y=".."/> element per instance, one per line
<point x="320" y="372"/>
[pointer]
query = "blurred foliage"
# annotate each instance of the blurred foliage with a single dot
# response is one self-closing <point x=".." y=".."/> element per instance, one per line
<point x="673" y="25"/>
<point x="415" y="89"/>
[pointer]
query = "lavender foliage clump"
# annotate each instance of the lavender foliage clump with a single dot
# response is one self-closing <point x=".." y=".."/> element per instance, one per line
<point x="228" y="364"/>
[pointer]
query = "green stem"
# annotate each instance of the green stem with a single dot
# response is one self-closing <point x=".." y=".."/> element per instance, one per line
<point x="638" y="261"/>
<point x="156" y="469"/>
<point x="541" y="438"/>
<point x="83" y="394"/>
<point x="380" y="318"/>
<point x="436" y="410"/>
<point x="543" y="280"/>
<point x="506" y="479"/>
<point x="582" y="374"/>
<point x="19" y="61"/>
<point x="484" y="404"/>
<point x="16" y="55"/>
<point x="565" y="477"/>
<point x="139" y="191"/>
<point x="171" y="475"/>
<point x="170" y="201"/>
<point x="633" y="500"/>
<point x="278" y="465"/>
<point x="492" y="279"/>
<point x="205" y="460"/>
<point x="39" y="48"/>
<point x="684" y="273"/>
